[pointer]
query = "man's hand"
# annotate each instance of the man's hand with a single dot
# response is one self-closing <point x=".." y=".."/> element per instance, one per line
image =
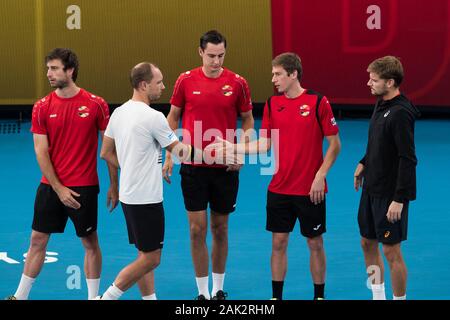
<point x="112" y="197"/>
<point x="358" y="176"/>
<point x="66" y="196"/>
<point x="224" y="152"/>
<point x="394" y="213"/>
<point x="234" y="167"/>
<point x="219" y="149"/>
<point x="317" y="192"/>
<point x="167" y="168"/>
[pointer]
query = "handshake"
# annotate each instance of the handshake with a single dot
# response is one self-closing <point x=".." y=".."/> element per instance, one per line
<point x="223" y="152"/>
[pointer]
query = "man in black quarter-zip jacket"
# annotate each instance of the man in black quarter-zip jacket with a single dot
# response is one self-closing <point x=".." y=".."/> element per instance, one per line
<point x="387" y="175"/>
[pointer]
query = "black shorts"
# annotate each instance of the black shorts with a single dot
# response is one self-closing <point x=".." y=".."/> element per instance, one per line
<point x="145" y="224"/>
<point x="50" y="214"/>
<point x="373" y="223"/>
<point x="203" y="185"/>
<point x="284" y="210"/>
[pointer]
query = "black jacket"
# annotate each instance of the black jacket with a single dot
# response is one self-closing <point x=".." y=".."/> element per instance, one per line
<point x="390" y="160"/>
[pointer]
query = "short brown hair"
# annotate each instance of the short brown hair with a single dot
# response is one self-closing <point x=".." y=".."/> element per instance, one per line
<point x="388" y="67"/>
<point x="141" y="72"/>
<point x="68" y="58"/>
<point x="290" y="62"/>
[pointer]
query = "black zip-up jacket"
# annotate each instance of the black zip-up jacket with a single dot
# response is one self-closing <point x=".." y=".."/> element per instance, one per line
<point x="390" y="160"/>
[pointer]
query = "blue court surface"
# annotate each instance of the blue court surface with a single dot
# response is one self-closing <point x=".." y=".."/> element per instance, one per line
<point x="248" y="276"/>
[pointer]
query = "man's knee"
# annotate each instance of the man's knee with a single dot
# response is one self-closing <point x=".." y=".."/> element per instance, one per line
<point x="279" y="244"/>
<point x="39" y="241"/>
<point x="219" y="231"/>
<point x="315" y="244"/>
<point x="90" y="242"/>
<point x="392" y="252"/>
<point x="369" y="245"/>
<point x="197" y="232"/>
<point x="151" y="259"/>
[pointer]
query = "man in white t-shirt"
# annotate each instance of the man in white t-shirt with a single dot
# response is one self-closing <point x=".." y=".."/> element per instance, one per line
<point x="133" y="141"/>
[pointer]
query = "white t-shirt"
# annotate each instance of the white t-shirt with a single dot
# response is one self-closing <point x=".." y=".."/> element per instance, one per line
<point x="139" y="132"/>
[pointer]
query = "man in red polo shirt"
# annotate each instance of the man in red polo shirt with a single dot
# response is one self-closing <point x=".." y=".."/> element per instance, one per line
<point x="211" y="97"/>
<point x="65" y="127"/>
<point x="299" y="119"/>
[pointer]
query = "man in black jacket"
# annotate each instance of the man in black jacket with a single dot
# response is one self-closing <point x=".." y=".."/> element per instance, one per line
<point x="389" y="172"/>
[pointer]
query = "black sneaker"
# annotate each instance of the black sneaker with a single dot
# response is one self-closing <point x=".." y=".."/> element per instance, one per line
<point x="200" y="297"/>
<point x="11" y="298"/>
<point x="220" y="295"/>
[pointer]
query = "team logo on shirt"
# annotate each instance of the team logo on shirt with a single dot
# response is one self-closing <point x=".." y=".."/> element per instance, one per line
<point x="83" y="112"/>
<point x="227" y="90"/>
<point x="305" y="110"/>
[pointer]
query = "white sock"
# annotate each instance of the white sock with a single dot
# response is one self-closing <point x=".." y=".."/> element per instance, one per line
<point x="113" y="293"/>
<point x="93" y="286"/>
<point x="378" y="292"/>
<point x="400" y="298"/>
<point x="150" y="297"/>
<point x="24" y="287"/>
<point x="218" y="279"/>
<point x="202" y="285"/>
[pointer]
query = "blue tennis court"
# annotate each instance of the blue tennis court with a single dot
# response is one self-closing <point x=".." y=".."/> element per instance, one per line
<point x="248" y="273"/>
